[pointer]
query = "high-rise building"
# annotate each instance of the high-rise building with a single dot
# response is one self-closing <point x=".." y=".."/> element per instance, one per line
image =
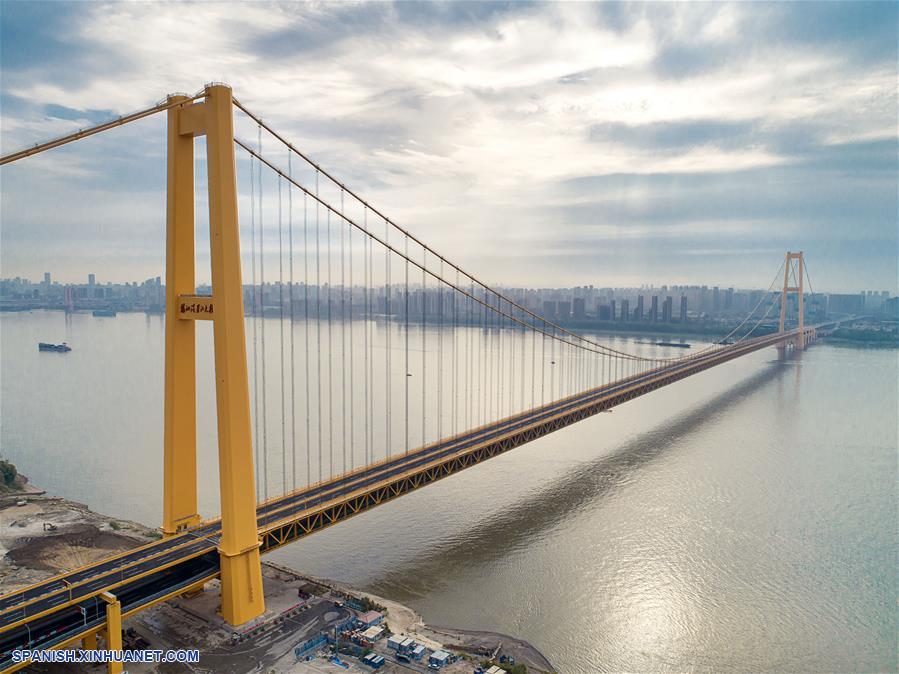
<point x="91" y="280"/>
<point x="549" y="309"/>
<point x="47" y="277"/>
<point x="638" y="312"/>
<point x="604" y="313"/>
<point x="814" y="307"/>
<point x="564" y="309"/>
<point x="625" y="310"/>
<point x="683" y="308"/>
<point x="716" y="299"/>
<point x="666" y="310"/>
<point x="612" y="310"/>
<point x="838" y="303"/>
<point x="579" y="308"/>
<point x="654" y="310"/>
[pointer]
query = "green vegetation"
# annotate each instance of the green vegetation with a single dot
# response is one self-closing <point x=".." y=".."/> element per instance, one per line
<point x="8" y="472"/>
<point x="9" y="477"/>
<point x="115" y="526"/>
<point x="870" y="336"/>
<point x="517" y="668"/>
<point x="368" y="604"/>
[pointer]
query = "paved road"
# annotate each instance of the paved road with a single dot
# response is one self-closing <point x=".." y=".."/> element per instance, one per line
<point x="264" y="651"/>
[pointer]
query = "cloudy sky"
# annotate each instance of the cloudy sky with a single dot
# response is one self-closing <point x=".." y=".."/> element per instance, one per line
<point x="538" y="144"/>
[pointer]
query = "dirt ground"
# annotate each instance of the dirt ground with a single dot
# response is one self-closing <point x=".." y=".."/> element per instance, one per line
<point x="50" y="535"/>
<point x="480" y="642"/>
<point x="41" y="536"/>
<point x="404" y="620"/>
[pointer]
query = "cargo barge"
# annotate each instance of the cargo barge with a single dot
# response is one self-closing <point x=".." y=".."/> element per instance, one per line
<point x="61" y="348"/>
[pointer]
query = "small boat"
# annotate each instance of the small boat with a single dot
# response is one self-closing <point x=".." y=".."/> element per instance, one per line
<point x="45" y="346"/>
<point x="104" y="312"/>
<point x="679" y="345"/>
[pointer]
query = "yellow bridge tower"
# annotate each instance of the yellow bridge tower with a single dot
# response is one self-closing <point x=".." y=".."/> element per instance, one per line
<point x="795" y="266"/>
<point x="241" y="573"/>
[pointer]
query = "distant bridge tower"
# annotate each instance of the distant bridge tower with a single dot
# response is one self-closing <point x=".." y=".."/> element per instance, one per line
<point x="794" y="266"/>
<point x="241" y="571"/>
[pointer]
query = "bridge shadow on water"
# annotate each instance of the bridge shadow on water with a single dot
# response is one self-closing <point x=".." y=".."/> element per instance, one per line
<point x="578" y="489"/>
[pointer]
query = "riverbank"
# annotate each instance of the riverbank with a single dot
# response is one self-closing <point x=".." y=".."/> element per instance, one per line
<point x="476" y="643"/>
<point x="887" y="339"/>
<point x="43" y="535"/>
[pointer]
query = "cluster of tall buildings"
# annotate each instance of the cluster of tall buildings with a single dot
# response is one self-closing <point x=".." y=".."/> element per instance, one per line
<point x="617" y="310"/>
<point x="682" y="304"/>
<point x="581" y="304"/>
<point x="19" y="293"/>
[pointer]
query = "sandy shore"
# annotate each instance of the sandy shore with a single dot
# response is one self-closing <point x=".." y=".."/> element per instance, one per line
<point x="41" y="536"/>
<point x="405" y="620"/>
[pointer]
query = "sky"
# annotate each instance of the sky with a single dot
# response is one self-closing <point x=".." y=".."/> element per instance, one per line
<point x="539" y="145"/>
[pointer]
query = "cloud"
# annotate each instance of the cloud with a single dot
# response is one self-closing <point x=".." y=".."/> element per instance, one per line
<point x="499" y="132"/>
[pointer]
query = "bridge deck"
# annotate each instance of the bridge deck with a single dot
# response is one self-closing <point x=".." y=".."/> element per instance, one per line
<point x="49" y="613"/>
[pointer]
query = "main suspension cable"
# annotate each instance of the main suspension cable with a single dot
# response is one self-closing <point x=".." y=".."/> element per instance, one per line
<point x="99" y="128"/>
<point x="807" y="277"/>
<point x="483" y="301"/>
<point x="412" y="237"/>
<point x="559" y="333"/>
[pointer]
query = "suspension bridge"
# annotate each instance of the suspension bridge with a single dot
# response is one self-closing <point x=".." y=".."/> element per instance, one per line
<point x="393" y="368"/>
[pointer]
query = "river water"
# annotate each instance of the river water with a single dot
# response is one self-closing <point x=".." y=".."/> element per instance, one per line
<point x="742" y="519"/>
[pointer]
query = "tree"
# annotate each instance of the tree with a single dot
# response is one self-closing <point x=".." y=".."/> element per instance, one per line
<point x="8" y="473"/>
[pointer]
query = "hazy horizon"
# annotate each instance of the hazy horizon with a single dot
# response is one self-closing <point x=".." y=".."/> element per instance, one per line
<point x="431" y="287"/>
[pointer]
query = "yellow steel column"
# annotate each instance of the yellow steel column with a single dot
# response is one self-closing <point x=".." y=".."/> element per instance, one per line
<point x="800" y="340"/>
<point x="113" y="630"/>
<point x="89" y="642"/>
<point x="179" y="505"/>
<point x="239" y="548"/>
<point x="783" y="294"/>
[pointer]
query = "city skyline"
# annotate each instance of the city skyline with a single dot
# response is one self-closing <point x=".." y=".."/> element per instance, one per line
<point x="581" y="302"/>
<point x="90" y="279"/>
<point x="610" y="139"/>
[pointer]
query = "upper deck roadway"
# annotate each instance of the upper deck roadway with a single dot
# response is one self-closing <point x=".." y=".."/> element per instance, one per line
<point x="62" y="609"/>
